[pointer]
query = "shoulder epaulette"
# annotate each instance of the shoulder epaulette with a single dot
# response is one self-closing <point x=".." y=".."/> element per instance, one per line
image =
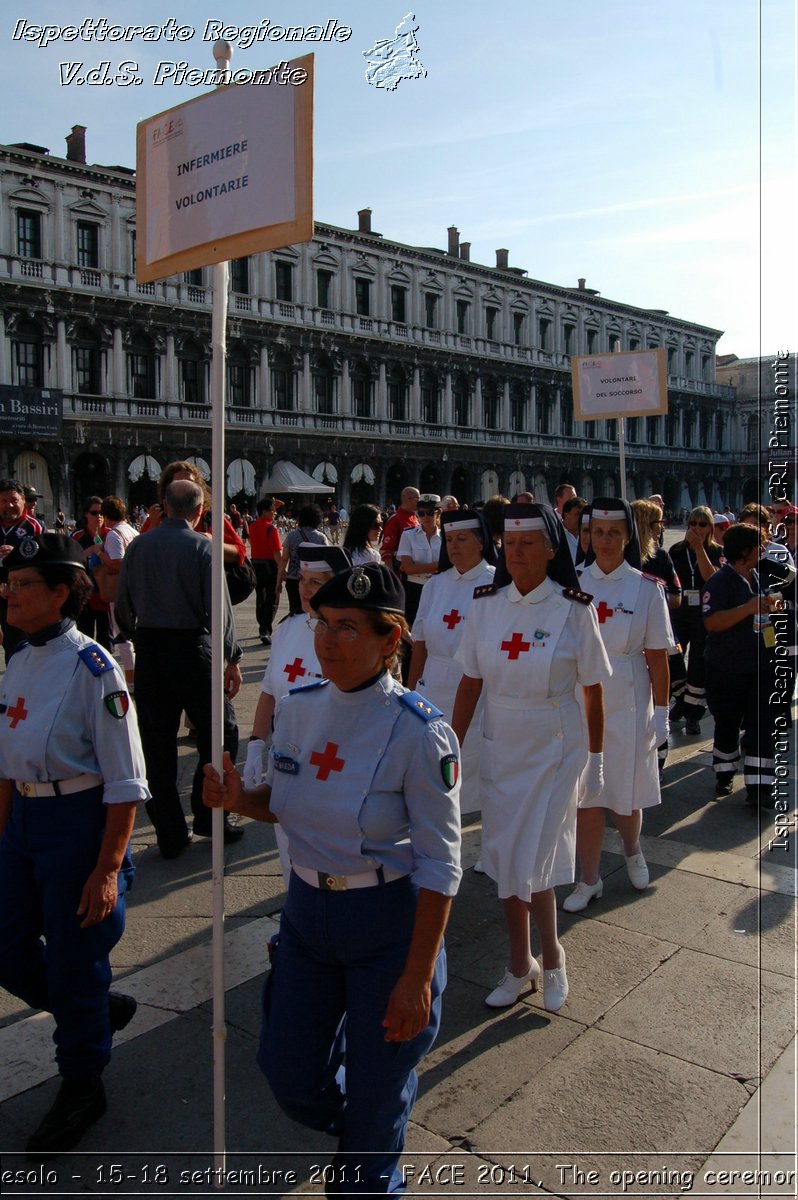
<point x="575" y="594"/>
<point x="653" y="578"/>
<point x="420" y="706"/>
<point x="308" y="687"/>
<point x="485" y="589"/>
<point x="96" y="659"/>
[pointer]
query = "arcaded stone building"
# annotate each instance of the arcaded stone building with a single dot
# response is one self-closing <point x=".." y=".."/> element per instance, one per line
<point x="368" y="363"/>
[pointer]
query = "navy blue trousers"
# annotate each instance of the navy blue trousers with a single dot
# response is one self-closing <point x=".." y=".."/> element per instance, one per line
<point x="338" y="958"/>
<point x="47" y="852"/>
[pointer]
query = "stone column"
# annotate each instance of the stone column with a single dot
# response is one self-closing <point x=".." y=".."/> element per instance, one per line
<point x="62" y="365"/>
<point x="264" y="380"/>
<point x="172" y="396"/>
<point x="305" y="399"/>
<point x="447" y="416"/>
<point x="504" y="405"/>
<point x="118" y="373"/>
<point x="415" y="394"/>
<point x="346" y="390"/>
<point x="382" y="394"/>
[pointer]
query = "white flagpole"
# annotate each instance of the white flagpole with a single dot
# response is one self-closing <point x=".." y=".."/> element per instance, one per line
<point x="616" y="349"/>
<point x="222" y="53"/>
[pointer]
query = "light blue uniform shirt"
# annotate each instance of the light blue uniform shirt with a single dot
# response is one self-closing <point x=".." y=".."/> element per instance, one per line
<point x="360" y="781"/>
<point x="58" y="720"/>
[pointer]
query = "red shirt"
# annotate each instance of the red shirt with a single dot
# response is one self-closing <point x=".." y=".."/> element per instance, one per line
<point x="264" y="540"/>
<point x="394" y="528"/>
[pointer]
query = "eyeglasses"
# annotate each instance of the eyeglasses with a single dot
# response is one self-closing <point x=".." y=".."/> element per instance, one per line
<point x="94" y="512"/>
<point x="343" y="633"/>
<point x="694" y="523"/>
<point x="377" y="525"/>
<point x="17" y="585"/>
<point x="426" y="512"/>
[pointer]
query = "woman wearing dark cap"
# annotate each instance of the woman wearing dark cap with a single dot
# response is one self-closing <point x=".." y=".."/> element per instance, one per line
<point x="292" y="664"/>
<point x="634" y="624"/>
<point x="71" y="776"/>
<point x="696" y="559"/>
<point x="467" y="562"/>
<point x="530" y="640"/>
<point x="363" y="777"/>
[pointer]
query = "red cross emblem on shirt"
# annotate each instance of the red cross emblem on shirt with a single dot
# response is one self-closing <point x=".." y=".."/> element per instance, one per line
<point x="294" y="669"/>
<point x="451" y="619"/>
<point x="18" y="713"/>
<point x="515" y="646"/>
<point x="326" y="762"/>
<point x="602" y="612"/>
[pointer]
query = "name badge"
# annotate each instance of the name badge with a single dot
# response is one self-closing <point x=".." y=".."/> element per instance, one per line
<point x="693" y="597"/>
<point x="283" y="763"/>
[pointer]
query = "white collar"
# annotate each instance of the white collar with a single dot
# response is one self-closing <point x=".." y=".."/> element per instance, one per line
<point x="472" y="572"/>
<point x="595" y="570"/>
<point x="541" y="592"/>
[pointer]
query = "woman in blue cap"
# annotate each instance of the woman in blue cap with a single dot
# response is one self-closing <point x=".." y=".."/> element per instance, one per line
<point x="529" y="645"/>
<point x="363" y="777"/>
<point x="635" y="627"/>
<point x="71" y="776"/>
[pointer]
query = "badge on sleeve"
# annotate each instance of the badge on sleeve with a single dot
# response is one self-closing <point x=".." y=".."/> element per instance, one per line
<point x="450" y="770"/>
<point x="117" y="704"/>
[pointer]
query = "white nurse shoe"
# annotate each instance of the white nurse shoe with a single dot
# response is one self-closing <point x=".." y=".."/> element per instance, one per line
<point x="582" y="894"/>
<point x="510" y="986"/>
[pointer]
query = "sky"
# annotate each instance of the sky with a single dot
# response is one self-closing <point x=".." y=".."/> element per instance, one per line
<point x="650" y="149"/>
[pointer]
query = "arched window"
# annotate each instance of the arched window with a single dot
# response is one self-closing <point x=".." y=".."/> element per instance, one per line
<point x="28" y="355"/>
<point x="430" y="398"/>
<point x="324" y="385"/>
<point x="141" y="368"/>
<point x="239" y="376"/>
<point x="362" y="386"/>
<point x="461" y="401"/>
<point x="86" y="362"/>
<point x="283" y="389"/>
<point x="518" y="411"/>
<point x="191" y="361"/>
<point x="397" y="394"/>
<point x="490" y="405"/>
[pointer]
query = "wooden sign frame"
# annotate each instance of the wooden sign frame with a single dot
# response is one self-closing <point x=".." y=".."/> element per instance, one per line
<point x="634" y="383"/>
<point x="240" y="242"/>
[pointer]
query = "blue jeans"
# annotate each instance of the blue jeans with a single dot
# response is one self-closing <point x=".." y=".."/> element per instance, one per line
<point x="47" y="852"/>
<point x="337" y="961"/>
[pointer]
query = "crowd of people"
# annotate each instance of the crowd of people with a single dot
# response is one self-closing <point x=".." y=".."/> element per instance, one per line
<point x="512" y="659"/>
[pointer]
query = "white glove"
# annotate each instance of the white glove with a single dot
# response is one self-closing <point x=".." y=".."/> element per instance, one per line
<point x="662" y="726"/>
<point x="593" y="778"/>
<point x="253" y="767"/>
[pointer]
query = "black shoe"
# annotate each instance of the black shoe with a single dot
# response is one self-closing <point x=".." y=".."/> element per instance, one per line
<point x="121" y="1010"/>
<point x="79" y="1103"/>
<point x="676" y="713"/>
<point x="760" y="797"/>
<point x="173" y="849"/>
<point x="265" y="639"/>
<point x="232" y="833"/>
<point x="692" y="727"/>
<point x="724" y="785"/>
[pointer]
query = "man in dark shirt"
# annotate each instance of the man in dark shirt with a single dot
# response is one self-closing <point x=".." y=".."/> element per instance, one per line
<point x="164" y="603"/>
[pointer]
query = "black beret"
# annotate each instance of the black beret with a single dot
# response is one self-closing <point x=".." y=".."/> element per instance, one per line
<point x="372" y="586"/>
<point x="47" y="550"/>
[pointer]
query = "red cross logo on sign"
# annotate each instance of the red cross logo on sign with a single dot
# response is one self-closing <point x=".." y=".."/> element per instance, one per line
<point x="294" y="670"/>
<point x="451" y="619"/>
<point x="515" y="646"/>
<point x="326" y="762"/>
<point x="18" y="713"/>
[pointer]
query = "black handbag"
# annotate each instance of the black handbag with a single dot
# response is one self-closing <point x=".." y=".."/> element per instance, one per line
<point x="241" y="580"/>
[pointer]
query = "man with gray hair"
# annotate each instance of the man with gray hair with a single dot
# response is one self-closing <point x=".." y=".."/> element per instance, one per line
<point x="164" y="603"/>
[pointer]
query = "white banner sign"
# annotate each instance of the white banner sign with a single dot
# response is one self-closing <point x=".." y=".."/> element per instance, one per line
<point x="631" y="384"/>
<point x="227" y="174"/>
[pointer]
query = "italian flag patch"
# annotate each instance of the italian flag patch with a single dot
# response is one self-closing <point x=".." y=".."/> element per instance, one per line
<point x="117" y="704"/>
<point x="450" y="770"/>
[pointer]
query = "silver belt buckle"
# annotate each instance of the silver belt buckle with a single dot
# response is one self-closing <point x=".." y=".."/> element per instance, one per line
<point x="332" y="883"/>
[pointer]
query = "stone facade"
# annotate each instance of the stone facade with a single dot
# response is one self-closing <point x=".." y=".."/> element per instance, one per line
<point x="369" y="363"/>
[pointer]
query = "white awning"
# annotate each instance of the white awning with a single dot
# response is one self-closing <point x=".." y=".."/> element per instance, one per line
<point x="325" y="472"/>
<point x="201" y="465"/>
<point x="145" y="464"/>
<point x="288" y="477"/>
<point x="240" y="477"/>
<point x="362" y="472"/>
